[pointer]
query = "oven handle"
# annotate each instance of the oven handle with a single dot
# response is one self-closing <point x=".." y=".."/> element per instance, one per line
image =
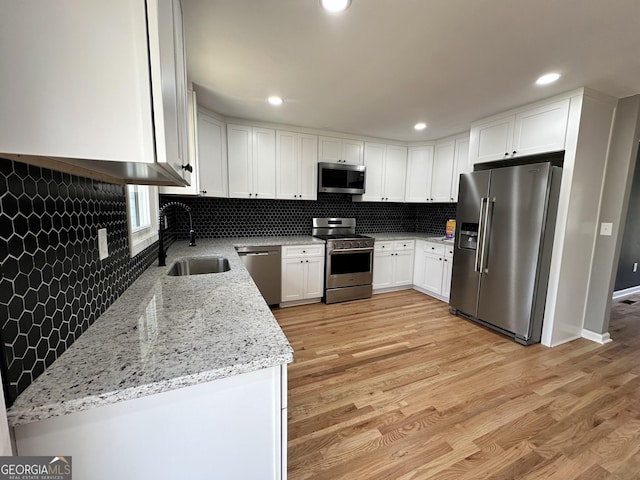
<point x="350" y="250"/>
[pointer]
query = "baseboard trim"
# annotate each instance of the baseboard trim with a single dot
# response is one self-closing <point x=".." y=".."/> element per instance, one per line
<point x="431" y="294"/>
<point x="296" y="303"/>
<point x="391" y="289"/>
<point x="625" y="292"/>
<point x="600" y="338"/>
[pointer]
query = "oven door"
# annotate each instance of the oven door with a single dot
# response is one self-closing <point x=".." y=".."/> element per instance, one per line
<point x="349" y="267"/>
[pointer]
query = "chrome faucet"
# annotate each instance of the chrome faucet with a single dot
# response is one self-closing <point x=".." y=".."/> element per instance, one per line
<point x="162" y="252"/>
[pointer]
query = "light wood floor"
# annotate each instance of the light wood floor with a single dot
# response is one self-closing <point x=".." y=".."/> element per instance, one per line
<point x="395" y="387"/>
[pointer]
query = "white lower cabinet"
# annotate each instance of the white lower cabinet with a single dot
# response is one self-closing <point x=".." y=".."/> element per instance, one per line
<point x="393" y="264"/>
<point x="231" y="428"/>
<point x="302" y="274"/>
<point x="432" y="269"/>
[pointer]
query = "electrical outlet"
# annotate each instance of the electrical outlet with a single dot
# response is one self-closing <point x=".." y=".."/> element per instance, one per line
<point x="103" y="247"/>
<point x="635" y="267"/>
<point x="606" y="229"/>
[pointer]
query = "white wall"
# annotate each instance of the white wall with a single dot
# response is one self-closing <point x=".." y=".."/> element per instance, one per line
<point x="613" y="208"/>
<point x="589" y="129"/>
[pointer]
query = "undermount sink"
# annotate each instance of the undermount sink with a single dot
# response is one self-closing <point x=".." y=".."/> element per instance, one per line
<point x="199" y="265"/>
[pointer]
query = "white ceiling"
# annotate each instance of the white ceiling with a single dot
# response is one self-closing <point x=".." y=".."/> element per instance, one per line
<point x="384" y="65"/>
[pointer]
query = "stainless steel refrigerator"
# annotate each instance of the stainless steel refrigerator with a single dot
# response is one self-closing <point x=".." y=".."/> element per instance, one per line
<point x="504" y="236"/>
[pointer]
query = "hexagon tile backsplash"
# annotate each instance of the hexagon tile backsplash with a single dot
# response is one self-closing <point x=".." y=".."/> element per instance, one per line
<point x="52" y="284"/>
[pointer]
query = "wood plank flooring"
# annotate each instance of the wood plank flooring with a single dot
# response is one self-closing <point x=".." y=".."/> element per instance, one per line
<point x="395" y="387"/>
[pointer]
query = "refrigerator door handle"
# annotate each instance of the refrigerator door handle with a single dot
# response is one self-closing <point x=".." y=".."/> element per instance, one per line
<point x="488" y="216"/>
<point x="480" y="244"/>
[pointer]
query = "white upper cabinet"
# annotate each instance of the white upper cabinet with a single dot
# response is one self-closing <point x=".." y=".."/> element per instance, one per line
<point x="419" y="167"/>
<point x="340" y="150"/>
<point x="114" y="90"/>
<point x="374" y="162"/>
<point x="395" y="173"/>
<point x="433" y="170"/>
<point x="212" y="156"/>
<point x="541" y="129"/>
<point x="442" y="174"/>
<point x="385" y="174"/>
<point x="208" y="155"/>
<point x="296" y="166"/>
<point x="461" y="165"/>
<point x="526" y="131"/>
<point x="251" y="153"/>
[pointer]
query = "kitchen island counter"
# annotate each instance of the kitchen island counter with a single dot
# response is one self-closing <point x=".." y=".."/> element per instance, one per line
<point x="162" y="334"/>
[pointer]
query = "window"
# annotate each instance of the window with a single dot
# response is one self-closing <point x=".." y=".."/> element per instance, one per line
<point x="142" y="212"/>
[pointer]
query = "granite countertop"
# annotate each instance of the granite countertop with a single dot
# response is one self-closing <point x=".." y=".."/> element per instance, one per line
<point x="165" y="333"/>
<point x="410" y="236"/>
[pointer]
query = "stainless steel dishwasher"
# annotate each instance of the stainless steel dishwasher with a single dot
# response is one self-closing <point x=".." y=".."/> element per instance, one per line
<point x="264" y="266"/>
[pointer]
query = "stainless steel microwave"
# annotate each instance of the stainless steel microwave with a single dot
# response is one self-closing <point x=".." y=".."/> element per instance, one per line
<point x="341" y="178"/>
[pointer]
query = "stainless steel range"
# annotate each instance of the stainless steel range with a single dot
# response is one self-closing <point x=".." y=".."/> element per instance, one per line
<point x="349" y="259"/>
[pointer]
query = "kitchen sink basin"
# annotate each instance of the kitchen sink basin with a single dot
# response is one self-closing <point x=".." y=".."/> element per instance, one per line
<point x="199" y="265"/>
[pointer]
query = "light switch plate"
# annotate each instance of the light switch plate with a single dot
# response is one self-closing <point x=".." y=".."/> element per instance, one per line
<point x="606" y="229"/>
<point x="103" y="247"/>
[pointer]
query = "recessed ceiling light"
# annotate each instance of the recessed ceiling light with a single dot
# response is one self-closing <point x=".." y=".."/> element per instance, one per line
<point x="548" y="78"/>
<point x="275" y="100"/>
<point x="420" y="126"/>
<point x="335" y="6"/>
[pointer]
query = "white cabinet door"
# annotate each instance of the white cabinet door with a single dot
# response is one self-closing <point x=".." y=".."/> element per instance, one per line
<point x="442" y="172"/>
<point x="395" y="173"/>
<point x="287" y="165"/>
<point x="492" y="140"/>
<point x="111" y="86"/>
<point x="374" y="154"/>
<point x="541" y="129"/>
<point x="403" y="268"/>
<point x="329" y="149"/>
<point x="169" y="86"/>
<point x="419" y="167"/>
<point x="264" y="163"/>
<point x="352" y="151"/>
<point x="251" y="161"/>
<point x="296" y="166"/>
<point x="314" y="277"/>
<point x="308" y="166"/>
<point x="192" y="130"/>
<point x="293" y="279"/>
<point x="212" y="159"/>
<point x="461" y="165"/>
<point x="339" y="150"/>
<point x="382" y="269"/>
<point x="526" y="131"/>
<point x="446" y="276"/>
<point x="433" y="273"/>
<point x="240" y="160"/>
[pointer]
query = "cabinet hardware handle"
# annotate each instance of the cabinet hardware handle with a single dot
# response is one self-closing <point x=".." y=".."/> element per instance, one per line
<point x="203" y="191"/>
<point x="307" y="261"/>
<point x="514" y="152"/>
<point x="250" y="194"/>
<point x="301" y="261"/>
<point x="189" y="168"/>
<point x="256" y="194"/>
<point x="304" y="251"/>
<point x="506" y="154"/>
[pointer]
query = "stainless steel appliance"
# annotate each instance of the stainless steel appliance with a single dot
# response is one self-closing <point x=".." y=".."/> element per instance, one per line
<point x="348" y="262"/>
<point x="341" y="178"/>
<point x="506" y="220"/>
<point x="264" y="266"/>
